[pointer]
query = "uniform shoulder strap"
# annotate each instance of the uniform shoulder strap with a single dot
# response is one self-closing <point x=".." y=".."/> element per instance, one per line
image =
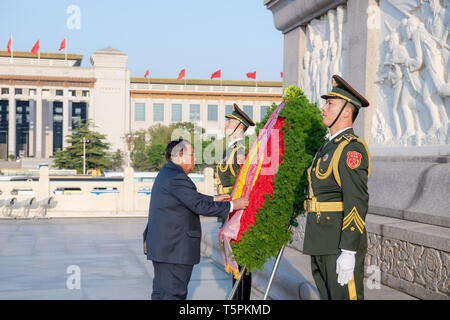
<point x="349" y="137"/>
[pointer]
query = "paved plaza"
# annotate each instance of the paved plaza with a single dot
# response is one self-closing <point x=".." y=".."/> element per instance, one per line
<point x="102" y="258"/>
<point x="43" y="259"/>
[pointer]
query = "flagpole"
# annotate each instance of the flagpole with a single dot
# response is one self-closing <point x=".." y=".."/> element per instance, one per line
<point x="221" y="77"/>
<point x="65" y="51"/>
<point x="185" y="76"/>
<point x="12" y="49"/>
<point x="39" y="53"/>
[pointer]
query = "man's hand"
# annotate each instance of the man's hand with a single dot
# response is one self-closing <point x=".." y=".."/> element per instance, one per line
<point x="222" y="197"/>
<point x="345" y="265"/>
<point x="240" y="203"/>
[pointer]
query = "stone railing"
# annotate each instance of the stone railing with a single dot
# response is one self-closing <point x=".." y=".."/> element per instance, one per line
<point x="122" y="197"/>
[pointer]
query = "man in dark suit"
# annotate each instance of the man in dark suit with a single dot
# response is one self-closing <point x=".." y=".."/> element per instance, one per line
<point x="174" y="230"/>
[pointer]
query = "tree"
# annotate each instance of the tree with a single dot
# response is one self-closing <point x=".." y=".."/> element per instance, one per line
<point x="117" y="160"/>
<point x="160" y="134"/>
<point x="156" y="156"/>
<point x="148" y="146"/>
<point x="97" y="156"/>
<point x="138" y="155"/>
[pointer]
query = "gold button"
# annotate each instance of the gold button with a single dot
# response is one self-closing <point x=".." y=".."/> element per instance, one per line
<point x="328" y="218"/>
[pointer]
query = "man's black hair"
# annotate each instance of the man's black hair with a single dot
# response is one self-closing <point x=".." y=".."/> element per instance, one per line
<point x="172" y="145"/>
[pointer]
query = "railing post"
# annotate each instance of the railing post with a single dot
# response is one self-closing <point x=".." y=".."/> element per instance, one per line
<point x="208" y="182"/>
<point x="128" y="195"/>
<point x="44" y="183"/>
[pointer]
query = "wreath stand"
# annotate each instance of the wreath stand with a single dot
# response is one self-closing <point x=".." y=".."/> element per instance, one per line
<point x="272" y="276"/>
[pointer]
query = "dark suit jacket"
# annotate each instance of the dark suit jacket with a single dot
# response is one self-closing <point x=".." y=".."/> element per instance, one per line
<point x="174" y="230"/>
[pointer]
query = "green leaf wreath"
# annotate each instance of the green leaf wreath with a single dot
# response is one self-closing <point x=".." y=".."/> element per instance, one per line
<point x="303" y="135"/>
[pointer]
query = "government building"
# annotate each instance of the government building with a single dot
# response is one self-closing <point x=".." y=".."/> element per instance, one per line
<point x="43" y="98"/>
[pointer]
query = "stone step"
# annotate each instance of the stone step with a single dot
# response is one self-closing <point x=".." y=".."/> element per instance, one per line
<point x="293" y="280"/>
<point x="4" y="164"/>
<point x="33" y="163"/>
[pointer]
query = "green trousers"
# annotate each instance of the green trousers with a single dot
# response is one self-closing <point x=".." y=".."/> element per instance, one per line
<point x="324" y="273"/>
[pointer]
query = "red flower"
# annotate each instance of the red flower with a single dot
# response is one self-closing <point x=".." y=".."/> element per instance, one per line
<point x="263" y="184"/>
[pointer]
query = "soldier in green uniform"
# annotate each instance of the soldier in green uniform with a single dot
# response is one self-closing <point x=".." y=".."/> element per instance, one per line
<point x="337" y="202"/>
<point x="226" y="171"/>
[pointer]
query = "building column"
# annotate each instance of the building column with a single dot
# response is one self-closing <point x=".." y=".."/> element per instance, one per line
<point x="31" y="135"/>
<point x="48" y="151"/>
<point x="38" y="125"/>
<point x="220" y="118"/>
<point x="185" y="111"/>
<point x="361" y="69"/>
<point x="90" y="107"/>
<point x="12" y="122"/>
<point x="293" y="51"/>
<point x="66" y="116"/>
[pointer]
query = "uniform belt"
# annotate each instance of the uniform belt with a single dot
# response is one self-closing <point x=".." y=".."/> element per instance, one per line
<point x="312" y="205"/>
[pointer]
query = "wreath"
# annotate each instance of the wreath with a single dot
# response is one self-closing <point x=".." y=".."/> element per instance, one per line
<point x="295" y="131"/>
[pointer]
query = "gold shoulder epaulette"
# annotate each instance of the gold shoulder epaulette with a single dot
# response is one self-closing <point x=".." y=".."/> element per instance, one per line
<point x="349" y="137"/>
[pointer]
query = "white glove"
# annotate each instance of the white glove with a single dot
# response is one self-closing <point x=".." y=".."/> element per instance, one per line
<point x="345" y="265"/>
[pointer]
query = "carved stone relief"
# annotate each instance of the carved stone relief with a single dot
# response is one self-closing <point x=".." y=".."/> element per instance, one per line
<point x="413" y="84"/>
<point x="324" y="54"/>
<point x="422" y="266"/>
<point x="425" y="267"/>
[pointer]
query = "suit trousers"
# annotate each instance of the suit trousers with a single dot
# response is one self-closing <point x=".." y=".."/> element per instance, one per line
<point x="244" y="288"/>
<point x="324" y="273"/>
<point x="171" y="280"/>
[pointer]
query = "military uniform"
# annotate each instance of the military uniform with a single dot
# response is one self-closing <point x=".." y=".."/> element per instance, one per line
<point x="337" y="205"/>
<point x="226" y="173"/>
<point x="228" y="168"/>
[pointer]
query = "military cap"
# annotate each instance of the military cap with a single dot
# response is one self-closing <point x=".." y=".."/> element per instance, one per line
<point x="238" y="114"/>
<point x="341" y="89"/>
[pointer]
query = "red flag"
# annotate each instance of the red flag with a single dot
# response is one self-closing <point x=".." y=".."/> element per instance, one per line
<point x="9" y="44"/>
<point x="147" y="73"/>
<point x="35" y="48"/>
<point x="62" y="45"/>
<point x="217" y="74"/>
<point x="182" y="74"/>
<point x="281" y="73"/>
<point x="251" y="75"/>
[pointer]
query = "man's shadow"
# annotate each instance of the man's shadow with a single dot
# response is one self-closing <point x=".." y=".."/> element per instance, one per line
<point x="209" y="281"/>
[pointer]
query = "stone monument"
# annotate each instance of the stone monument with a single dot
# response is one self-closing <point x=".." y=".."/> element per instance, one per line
<point x="396" y="53"/>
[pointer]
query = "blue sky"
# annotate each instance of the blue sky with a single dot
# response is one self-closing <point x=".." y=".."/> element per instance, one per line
<point x="164" y="36"/>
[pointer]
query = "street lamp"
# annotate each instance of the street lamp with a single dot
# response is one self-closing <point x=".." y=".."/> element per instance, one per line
<point x="84" y="140"/>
